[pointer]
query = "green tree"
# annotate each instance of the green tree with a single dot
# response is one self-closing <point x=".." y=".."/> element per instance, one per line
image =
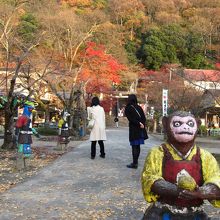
<point x="175" y="40"/>
<point x="172" y="44"/>
<point x="131" y="49"/>
<point x="154" y="56"/>
<point x="153" y="49"/>
<point x="194" y="57"/>
<point x="28" y="27"/>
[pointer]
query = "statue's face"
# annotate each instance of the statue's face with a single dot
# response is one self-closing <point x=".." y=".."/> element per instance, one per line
<point x="183" y="129"/>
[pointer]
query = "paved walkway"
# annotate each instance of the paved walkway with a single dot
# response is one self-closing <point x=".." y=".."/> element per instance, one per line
<point x="76" y="187"/>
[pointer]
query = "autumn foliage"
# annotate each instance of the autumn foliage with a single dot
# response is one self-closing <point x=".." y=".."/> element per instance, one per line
<point x="100" y="70"/>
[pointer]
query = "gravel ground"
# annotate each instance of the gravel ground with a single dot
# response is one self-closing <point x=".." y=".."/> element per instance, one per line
<point x="76" y="187"/>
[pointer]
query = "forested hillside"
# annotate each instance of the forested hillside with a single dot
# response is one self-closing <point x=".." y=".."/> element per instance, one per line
<point x="151" y="33"/>
<point x="77" y="48"/>
<point x="158" y="32"/>
<point x="92" y="46"/>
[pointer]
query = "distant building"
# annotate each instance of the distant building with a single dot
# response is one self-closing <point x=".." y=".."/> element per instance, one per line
<point x="25" y="81"/>
<point x="202" y="79"/>
<point x="210" y="108"/>
<point x="209" y="82"/>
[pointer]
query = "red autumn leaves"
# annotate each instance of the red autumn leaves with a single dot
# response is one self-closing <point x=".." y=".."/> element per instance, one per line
<point x="100" y="70"/>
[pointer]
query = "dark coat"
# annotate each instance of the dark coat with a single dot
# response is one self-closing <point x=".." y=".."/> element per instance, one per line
<point x="134" y="122"/>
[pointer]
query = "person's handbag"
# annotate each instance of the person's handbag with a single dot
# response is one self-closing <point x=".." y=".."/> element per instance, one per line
<point x="91" y="123"/>
<point x="91" y="120"/>
<point x="145" y="135"/>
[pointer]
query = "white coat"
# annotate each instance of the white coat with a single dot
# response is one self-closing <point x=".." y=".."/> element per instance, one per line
<point x="98" y="131"/>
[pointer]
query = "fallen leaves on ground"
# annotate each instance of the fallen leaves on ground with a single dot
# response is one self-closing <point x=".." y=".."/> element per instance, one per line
<point x="10" y="176"/>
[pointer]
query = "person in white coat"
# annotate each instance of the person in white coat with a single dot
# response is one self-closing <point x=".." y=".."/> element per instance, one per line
<point x="98" y="132"/>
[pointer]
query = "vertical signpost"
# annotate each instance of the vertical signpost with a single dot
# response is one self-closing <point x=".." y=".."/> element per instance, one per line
<point x="165" y="101"/>
<point x="164" y="105"/>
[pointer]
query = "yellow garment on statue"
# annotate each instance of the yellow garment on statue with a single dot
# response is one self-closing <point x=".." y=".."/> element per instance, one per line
<point x="152" y="170"/>
<point x="60" y="123"/>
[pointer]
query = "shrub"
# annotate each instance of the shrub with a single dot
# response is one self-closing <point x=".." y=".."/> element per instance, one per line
<point x="202" y="130"/>
<point x="47" y="131"/>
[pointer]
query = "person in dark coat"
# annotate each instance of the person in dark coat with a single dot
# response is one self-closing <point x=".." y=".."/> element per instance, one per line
<point x="137" y="131"/>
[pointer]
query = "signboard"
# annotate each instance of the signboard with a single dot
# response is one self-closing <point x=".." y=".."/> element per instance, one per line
<point x="165" y="101"/>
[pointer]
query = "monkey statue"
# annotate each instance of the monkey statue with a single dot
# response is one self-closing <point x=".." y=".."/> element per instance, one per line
<point x="178" y="175"/>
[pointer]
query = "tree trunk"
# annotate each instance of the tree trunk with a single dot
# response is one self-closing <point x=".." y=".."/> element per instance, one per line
<point x="83" y="110"/>
<point x="155" y="126"/>
<point x="47" y="114"/>
<point x="132" y="33"/>
<point x="9" y="135"/>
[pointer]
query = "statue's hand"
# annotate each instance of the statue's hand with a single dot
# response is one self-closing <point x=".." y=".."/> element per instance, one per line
<point x="36" y="134"/>
<point x="208" y="191"/>
<point x="195" y="194"/>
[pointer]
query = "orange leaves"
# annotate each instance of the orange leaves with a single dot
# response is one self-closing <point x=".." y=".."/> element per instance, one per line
<point x="217" y="66"/>
<point x="93" y="50"/>
<point x="100" y="69"/>
<point x="79" y="3"/>
<point x="85" y="74"/>
<point x="127" y="8"/>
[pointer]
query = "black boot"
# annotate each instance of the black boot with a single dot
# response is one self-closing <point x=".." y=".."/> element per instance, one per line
<point x="135" y="155"/>
<point x="93" y="149"/>
<point x="132" y="165"/>
<point x="102" y="149"/>
<point x="102" y="155"/>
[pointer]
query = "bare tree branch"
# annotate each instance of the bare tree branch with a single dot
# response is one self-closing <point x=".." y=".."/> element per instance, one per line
<point x="41" y="76"/>
<point x="54" y="90"/>
<point x="88" y="34"/>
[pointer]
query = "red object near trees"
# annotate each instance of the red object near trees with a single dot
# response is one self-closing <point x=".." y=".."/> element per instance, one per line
<point x="100" y="70"/>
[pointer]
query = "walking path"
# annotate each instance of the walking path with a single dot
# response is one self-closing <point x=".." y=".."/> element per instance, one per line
<point x="76" y="187"/>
